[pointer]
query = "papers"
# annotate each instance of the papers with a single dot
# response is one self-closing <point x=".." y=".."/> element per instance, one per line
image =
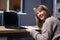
<point x="31" y="27"/>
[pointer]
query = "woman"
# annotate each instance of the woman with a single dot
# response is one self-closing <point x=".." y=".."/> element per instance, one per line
<point x="45" y="22"/>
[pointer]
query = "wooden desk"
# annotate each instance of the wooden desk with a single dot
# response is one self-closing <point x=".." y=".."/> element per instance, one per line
<point x="11" y="34"/>
<point x="7" y="30"/>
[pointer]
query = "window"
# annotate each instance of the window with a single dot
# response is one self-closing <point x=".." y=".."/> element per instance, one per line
<point x="15" y="5"/>
<point x="11" y="5"/>
<point x="56" y="8"/>
<point x="3" y="4"/>
<point x="59" y="10"/>
<point x="58" y="1"/>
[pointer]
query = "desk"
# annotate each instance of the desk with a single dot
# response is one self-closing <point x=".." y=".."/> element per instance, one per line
<point x="13" y="33"/>
<point x="7" y="30"/>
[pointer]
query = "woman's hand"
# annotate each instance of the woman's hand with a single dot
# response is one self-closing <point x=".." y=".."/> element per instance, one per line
<point x="29" y="30"/>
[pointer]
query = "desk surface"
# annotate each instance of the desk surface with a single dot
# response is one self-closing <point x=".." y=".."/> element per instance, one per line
<point x="7" y="30"/>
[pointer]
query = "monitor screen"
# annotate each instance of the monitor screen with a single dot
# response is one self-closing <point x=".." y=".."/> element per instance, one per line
<point x="10" y="19"/>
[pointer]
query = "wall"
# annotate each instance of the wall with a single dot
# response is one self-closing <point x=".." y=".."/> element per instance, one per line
<point x="48" y="3"/>
<point x="29" y="19"/>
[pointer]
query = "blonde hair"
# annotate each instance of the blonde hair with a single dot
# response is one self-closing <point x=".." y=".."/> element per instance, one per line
<point x="43" y="7"/>
<point x="40" y="8"/>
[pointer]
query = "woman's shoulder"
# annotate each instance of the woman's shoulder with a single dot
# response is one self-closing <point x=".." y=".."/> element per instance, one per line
<point x="52" y="19"/>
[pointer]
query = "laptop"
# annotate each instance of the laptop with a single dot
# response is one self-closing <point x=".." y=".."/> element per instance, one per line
<point x="11" y="20"/>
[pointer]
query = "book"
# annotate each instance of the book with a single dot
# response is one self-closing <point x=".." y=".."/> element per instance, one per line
<point x="31" y="27"/>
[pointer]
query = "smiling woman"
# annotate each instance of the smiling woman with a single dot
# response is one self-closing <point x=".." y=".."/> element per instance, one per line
<point x="47" y="24"/>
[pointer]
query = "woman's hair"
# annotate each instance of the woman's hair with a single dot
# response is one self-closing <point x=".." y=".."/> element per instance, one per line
<point x="43" y="7"/>
<point x="40" y="8"/>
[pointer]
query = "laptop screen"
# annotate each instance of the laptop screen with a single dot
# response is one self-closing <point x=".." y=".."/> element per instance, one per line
<point x="10" y="19"/>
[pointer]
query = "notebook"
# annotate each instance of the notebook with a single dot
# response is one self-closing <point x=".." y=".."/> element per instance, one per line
<point x="30" y="27"/>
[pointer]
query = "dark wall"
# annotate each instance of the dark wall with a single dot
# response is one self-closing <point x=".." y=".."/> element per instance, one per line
<point x="29" y="19"/>
<point x="48" y="3"/>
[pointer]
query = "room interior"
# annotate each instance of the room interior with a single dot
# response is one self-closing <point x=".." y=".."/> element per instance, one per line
<point x="23" y="13"/>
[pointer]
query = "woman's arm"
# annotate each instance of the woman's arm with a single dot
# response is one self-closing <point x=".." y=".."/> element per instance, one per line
<point x="37" y="35"/>
<point x="47" y="30"/>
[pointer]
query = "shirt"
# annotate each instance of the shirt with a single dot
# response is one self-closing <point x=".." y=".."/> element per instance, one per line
<point x="47" y="29"/>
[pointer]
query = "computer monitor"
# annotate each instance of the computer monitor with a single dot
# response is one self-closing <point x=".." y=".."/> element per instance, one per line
<point x="10" y="19"/>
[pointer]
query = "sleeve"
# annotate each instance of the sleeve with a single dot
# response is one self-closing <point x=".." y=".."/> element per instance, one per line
<point x="57" y="32"/>
<point x="45" y="32"/>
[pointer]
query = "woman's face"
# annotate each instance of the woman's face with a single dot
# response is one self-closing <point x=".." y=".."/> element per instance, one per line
<point x="41" y="14"/>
